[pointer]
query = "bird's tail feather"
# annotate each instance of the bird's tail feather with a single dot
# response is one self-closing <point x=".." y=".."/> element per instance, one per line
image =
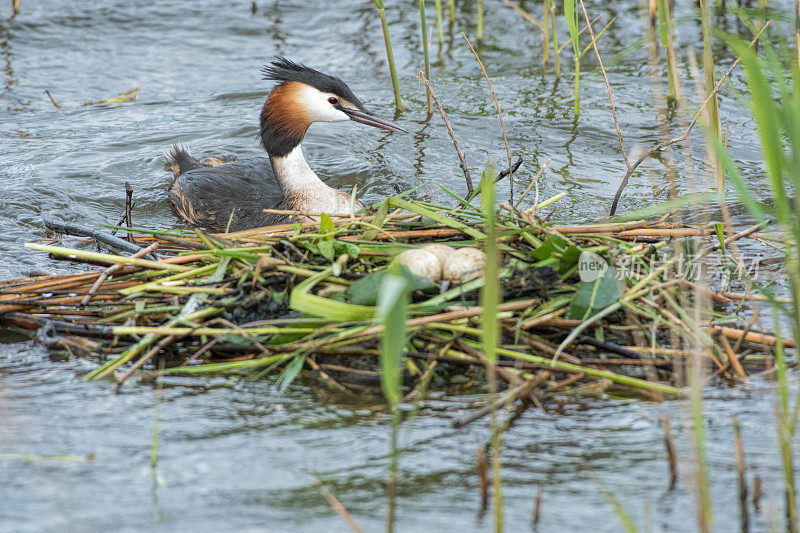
<point x="180" y="160"/>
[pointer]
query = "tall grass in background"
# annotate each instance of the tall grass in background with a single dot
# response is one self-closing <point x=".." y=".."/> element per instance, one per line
<point x="545" y="31"/>
<point x="439" y="24"/>
<point x="554" y="32"/>
<point x="156" y="425"/>
<point x="710" y="79"/>
<point x="774" y="94"/>
<point x="490" y="300"/>
<point x="424" y="29"/>
<point x="392" y="300"/>
<point x="571" y="14"/>
<point x="479" y="28"/>
<point x="398" y="102"/>
<point x="666" y="32"/>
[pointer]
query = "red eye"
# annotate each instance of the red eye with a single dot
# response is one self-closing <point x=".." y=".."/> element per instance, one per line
<point x="333" y="100"/>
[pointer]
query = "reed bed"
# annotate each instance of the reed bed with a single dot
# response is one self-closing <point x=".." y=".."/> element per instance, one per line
<point x="306" y="298"/>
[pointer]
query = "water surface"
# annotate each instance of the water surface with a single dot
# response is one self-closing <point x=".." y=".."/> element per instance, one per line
<point x="237" y="455"/>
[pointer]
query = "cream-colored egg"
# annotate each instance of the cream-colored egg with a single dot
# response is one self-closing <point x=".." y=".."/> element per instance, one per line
<point x="441" y="251"/>
<point x="421" y="263"/>
<point x="463" y="265"/>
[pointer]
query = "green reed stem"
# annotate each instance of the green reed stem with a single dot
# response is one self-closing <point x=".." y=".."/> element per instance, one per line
<point x="479" y="28"/>
<point x="398" y="102"/>
<point x="713" y="105"/>
<point x="451" y="10"/>
<point x="392" y="300"/>
<point x="785" y="424"/>
<point x="553" y="28"/>
<point x="490" y="300"/>
<point x="666" y="32"/>
<point x="704" y="514"/>
<point x="106" y="258"/>
<point x="571" y="14"/>
<point x="156" y="423"/>
<point x="391" y="487"/>
<point x="545" y="31"/>
<point x="426" y="52"/>
<point x="439" y="28"/>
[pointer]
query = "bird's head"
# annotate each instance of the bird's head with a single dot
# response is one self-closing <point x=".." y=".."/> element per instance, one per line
<point x="304" y="96"/>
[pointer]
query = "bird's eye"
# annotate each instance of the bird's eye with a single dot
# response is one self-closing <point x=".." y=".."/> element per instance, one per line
<point x="333" y="100"/>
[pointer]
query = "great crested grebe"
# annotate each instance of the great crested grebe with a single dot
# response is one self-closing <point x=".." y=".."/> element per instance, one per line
<point x="239" y="191"/>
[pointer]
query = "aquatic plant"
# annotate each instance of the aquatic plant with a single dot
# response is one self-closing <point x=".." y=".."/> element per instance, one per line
<point x="479" y="24"/>
<point x="571" y="15"/>
<point x="710" y="83"/>
<point x="667" y="33"/>
<point x="398" y="102"/>
<point x="773" y="83"/>
<point x="554" y="32"/>
<point x="425" y="50"/>
<point x="391" y="311"/>
<point x="216" y="277"/>
<point x="490" y="301"/>
<point x="439" y="24"/>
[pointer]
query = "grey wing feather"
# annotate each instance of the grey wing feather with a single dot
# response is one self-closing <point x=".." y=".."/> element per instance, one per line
<point x="207" y="196"/>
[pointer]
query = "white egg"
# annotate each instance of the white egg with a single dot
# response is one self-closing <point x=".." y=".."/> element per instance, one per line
<point x="421" y="263"/>
<point x="441" y="251"/>
<point x="463" y="265"/>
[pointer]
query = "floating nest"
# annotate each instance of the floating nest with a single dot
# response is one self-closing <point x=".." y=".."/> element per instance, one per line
<point x="301" y="299"/>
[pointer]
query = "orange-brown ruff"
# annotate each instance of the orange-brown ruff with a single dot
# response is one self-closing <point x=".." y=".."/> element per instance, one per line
<point x="233" y="195"/>
<point x="284" y="111"/>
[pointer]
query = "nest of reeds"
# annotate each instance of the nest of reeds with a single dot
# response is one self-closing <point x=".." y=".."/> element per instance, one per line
<point x="295" y="300"/>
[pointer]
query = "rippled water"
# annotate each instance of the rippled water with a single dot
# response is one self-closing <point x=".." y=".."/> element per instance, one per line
<point x="236" y="455"/>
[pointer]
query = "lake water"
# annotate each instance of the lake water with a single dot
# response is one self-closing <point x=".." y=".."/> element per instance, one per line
<point x="236" y="455"/>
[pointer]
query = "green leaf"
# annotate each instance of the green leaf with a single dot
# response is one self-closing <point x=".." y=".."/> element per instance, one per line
<point x="326" y="225"/>
<point x="720" y="229"/>
<point x="572" y="23"/>
<point x="380" y="218"/>
<point x="392" y="311"/>
<point x="490" y="295"/>
<point x="594" y="295"/>
<point x="290" y="372"/>
<point x="326" y="249"/>
<point x="663" y="23"/>
<point x="346" y="248"/>
<point x="303" y="301"/>
<point x="365" y="291"/>
<point x="310" y="246"/>
<point x="569" y="258"/>
<point x="553" y="245"/>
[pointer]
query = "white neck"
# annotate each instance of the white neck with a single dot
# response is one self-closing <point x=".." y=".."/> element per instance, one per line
<point x="303" y="190"/>
<point x="293" y="173"/>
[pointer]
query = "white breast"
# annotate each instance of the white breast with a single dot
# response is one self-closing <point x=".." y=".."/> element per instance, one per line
<point x="305" y="190"/>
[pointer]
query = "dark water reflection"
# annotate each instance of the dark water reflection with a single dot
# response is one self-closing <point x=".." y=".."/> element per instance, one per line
<point x="236" y="455"/>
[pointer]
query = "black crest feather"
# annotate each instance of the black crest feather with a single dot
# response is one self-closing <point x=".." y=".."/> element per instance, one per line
<point x="283" y="70"/>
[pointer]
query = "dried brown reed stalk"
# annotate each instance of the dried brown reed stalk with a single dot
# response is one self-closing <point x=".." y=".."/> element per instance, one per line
<point x="50" y="96"/>
<point x="336" y="505"/>
<point x="527" y="16"/>
<point x="740" y="471"/>
<point x="500" y="116"/>
<point x="672" y="450"/>
<point x="685" y="135"/>
<point x="631" y="167"/>
<point x="114" y="268"/>
<point x="461" y="158"/>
